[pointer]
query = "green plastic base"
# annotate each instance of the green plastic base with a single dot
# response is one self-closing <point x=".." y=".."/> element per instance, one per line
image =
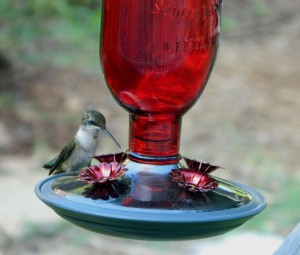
<point x="143" y="213"/>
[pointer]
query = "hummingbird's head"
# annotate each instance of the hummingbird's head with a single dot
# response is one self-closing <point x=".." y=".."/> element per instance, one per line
<point x="93" y="119"/>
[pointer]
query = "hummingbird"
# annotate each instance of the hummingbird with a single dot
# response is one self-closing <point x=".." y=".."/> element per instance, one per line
<point x="79" y="151"/>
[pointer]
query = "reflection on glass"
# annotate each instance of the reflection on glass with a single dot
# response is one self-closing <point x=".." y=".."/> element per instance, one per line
<point x="140" y="193"/>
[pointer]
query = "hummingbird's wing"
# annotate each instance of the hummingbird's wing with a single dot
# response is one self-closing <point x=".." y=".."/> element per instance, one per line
<point x="56" y="162"/>
<point x="50" y="163"/>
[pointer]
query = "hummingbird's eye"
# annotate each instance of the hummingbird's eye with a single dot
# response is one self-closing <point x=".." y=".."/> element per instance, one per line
<point x="92" y="122"/>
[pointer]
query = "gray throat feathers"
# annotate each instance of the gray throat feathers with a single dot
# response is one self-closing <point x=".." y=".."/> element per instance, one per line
<point x="86" y="139"/>
<point x="93" y="132"/>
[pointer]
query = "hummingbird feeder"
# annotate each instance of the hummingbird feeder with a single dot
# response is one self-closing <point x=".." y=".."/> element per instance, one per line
<point x="156" y="57"/>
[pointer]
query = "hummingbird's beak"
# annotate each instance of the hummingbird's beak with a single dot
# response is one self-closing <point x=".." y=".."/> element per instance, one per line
<point x="109" y="134"/>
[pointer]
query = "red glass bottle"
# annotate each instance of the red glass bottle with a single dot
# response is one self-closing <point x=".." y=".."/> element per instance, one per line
<point x="156" y="56"/>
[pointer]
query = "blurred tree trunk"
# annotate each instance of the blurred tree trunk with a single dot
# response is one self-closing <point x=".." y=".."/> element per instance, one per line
<point x="4" y="62"/>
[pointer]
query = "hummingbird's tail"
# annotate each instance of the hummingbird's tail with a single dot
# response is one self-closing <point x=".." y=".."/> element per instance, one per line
<point x="50" y="163"/>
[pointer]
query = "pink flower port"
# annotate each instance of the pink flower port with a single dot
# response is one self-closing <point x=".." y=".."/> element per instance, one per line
<point x="195" y="178"/>
<point x="103" y="173"/>
<point x="193" y="181"/>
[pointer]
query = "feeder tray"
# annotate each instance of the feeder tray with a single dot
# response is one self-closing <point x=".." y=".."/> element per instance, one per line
<point x="151" y="206"/>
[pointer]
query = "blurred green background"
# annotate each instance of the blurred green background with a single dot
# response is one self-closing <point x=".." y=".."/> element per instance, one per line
<point x="247" y="120"/>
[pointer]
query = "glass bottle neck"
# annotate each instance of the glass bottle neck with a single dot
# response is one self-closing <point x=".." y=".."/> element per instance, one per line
<point x="154" y="139"/>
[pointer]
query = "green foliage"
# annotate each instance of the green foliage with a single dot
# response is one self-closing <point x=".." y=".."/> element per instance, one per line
<point x="88" y="3"/>
<point x="281" y="190"/>
<point x="56" y="32"/>
<point x="6" y="99"/>
<point x="228" y="24"/>
<point x="282" y="212"/>
<point x="46" y="7"/>
<point x="260" y="7"/>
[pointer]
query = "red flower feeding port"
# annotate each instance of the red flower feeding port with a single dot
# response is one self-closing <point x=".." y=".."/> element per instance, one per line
<point x="193" y="181"/>
<point x="195" y="178"/>
<point x="103" y="173"/>
<point x="105" y="177"/>
<point x="156" y="57"/>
